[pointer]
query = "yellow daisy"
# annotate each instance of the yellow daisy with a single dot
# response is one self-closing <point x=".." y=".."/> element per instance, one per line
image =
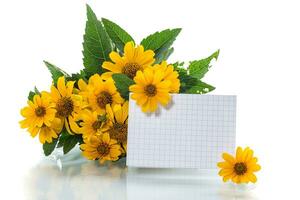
<point x="83" y="86"/>
<point x="68" y="104"/>
<point x="134" y="59"/>
<point x="150" y="89"/>
<point x="100" y="93"/>
<point x="92" y="124"/>
<point x="118" y="123"/>
<point x="239" y="169"/>
<point x="170" y="75"/>
<point x="40" y="111"/>
<point x="101" y="148"/>
<point x="46" y="134"/>
<point x="40" y="118"/>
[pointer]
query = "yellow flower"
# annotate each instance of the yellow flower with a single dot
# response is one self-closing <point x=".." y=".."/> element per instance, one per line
<point x="46" y="134"/>
<point x="40" y="118"/>
<point x="40" y="111"/>
<point x="83" y="86"/>
<point x="241" y="168"/>
<point x="150" y="89"/>
<point x="100" y="93"/>
<point x="170" y="75"/>
<point x="92" y="124"/>
<point x="101" y="148"/>
<point x="134" y="59"/>
<point x="68" y="104"/>
<point x="118" y="123"/>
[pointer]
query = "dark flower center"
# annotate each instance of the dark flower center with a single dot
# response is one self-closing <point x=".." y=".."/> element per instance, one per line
<point x="119" y="132"/>
<point x="96" y="125"/>
<point x="150" y="90"/>
<point x="240" y="168"/>
<point x="103" y="149"/>
<point x="40" y="111"/>
<point x="103" y="99"/>
<point x="130" y="69"/>
<point x="64" y="107"/>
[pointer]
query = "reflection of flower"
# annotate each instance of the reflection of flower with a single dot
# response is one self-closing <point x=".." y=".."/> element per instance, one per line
<point x="44" y="182"/>
<point x="241" y="168"/>
<point x="78" y="179"/>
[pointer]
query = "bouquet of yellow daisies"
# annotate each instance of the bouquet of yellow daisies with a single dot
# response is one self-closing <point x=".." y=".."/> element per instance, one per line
<point x="90" y="108"/>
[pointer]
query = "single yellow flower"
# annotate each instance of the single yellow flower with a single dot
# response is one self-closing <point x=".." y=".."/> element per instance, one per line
<point x="239" y="169"/>
<point x="101" y="148"/>
<point x="118" y="123"/>
<point x="41" y="111"/>
<point x="100" y="93"/>
<point x="150" y="89"/>
<point x="83" y="86"/>
<point x="68" y="104"/>
<point x="92" y="124"/>
<point x="133" y="60"/>
<point x="170" y="75"/>
<point x="40" y="118"/>
<point x="46" y="134"/>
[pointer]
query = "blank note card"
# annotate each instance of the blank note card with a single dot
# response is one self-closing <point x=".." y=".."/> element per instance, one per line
<point x="191" y="133"/>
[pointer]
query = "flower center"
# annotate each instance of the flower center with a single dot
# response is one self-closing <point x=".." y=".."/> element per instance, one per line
<point x="40" y="111"/>
<point x="130" y="69"/>
<point x="150" y="90"/>
<point x="240" y="168"/>
<point x="119" y="132"/>
<point x="104" y="98"/>
<point x="65" y="107"/>
<point x="96" y="125"/>
<point x="103" y="149"/>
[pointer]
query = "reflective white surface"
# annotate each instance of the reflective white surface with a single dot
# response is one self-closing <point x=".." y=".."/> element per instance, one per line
<point x="75" y="178"/>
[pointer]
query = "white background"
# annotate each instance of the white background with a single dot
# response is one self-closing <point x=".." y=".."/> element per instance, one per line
<point x="259" y="62"/>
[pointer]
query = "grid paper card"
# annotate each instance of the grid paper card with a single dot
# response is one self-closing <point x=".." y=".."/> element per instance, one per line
<point x="192" y="132"/>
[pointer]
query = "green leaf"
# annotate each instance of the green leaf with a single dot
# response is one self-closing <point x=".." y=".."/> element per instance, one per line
<point x="186" y="81"/>
<point x="64" y="134"/>
<point x="160" y="43"/>
<point x="118" y="35"/>
<point x="70" y="142"/>
<point x="200" y="88"/>
<point x="32" y="93"/>
<point x="75" y="77"/>
<point x="122" y="83"/>
<point x="199" y="68"/>
<point x="164" y="55"/>
<point x="96" y="44"/>
<point x="190" y="84"/>
<point x="49" y="147"/>
<point x="56" y="72"/>
<point x="178" y="64"/>
<point x="36" y="90"/>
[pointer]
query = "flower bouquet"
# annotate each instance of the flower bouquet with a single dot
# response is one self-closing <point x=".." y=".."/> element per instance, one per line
<point x="90" y="108"/>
